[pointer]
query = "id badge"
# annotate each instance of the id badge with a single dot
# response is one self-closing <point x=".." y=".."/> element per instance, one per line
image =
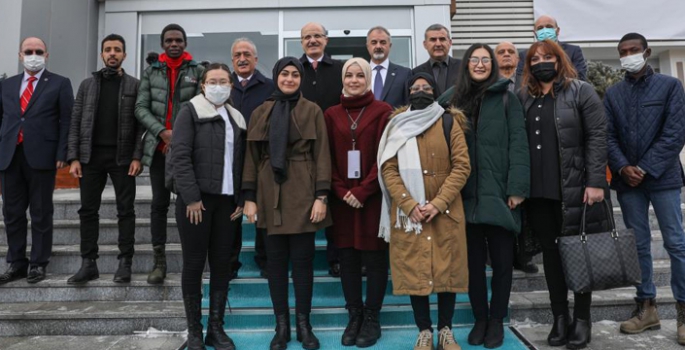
<point x="353" y="164"/>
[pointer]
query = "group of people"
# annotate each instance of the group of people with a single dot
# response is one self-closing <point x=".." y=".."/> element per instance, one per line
<point x="427" y="172"/>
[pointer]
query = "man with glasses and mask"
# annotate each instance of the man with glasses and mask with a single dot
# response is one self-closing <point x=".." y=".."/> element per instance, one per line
<point x="321" y="84"/>
<point x="35" y="109"/>
<point x="105" y="138"/>
<point x="440" y="65"/>
<point x="646" y="133"/>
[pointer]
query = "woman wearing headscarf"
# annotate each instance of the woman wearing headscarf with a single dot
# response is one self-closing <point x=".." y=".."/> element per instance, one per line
<point x="286" y="179"/>
<point x="204" y="167"/>
<point x="499" y="182"/>
<point x="424" y="164"/>
<point x="355" y="127"/>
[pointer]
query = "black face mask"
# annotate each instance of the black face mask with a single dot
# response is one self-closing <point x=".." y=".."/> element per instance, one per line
<point x="544" y="71"/>
<point x="420" y="100"/>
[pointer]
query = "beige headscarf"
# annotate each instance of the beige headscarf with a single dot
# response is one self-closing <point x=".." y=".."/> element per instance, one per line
<point x="366" y="68"/>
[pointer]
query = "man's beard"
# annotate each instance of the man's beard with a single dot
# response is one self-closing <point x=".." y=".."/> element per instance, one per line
<point x="378" y="55"/>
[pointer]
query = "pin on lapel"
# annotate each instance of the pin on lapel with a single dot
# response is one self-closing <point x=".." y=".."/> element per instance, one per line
<point x="393" y="74"/>
<point x="46" y="79"/>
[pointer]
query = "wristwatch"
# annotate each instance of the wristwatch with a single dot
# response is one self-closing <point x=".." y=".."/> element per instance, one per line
<point x="323" y="199"/>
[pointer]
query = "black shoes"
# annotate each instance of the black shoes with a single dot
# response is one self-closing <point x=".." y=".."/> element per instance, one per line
<point x="13" y="273"/>
<point x="193" y="307"/>
<point x="349" y="337"/>
<point x="36" y="274"/>
<point x="334" y="269"/>
<point x="579" y="335"/>
<point x="527" y="267"/>
<point x="304" y="333"/>
<point x="559" y="334"/>
<point x="494" y="335"/>
<point x="87" y="272"/>
<point x="123" y="274"/>
<point x="371" y="329"/>
<point x="158" y="273"/>
<point x="216" y="336"/>
<point x="477" y="334"/>
<point x="282" y="336"/>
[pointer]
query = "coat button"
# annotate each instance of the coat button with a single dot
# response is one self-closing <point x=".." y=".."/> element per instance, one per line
<point x="447" y="211"/>
<point x="537" y="132"/>
<point x="537" y="119"/>
<point x="539" y="146"/>
<point x="314" y="82"/>
<point x="425" y="171"/>
<point x="429" y="238"/>
<point x="430" y="282"/>
<point x="22" y="119"/>
<point x="404" y="195"/>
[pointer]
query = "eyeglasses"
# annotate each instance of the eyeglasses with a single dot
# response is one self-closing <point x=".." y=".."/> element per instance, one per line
<point x="213" y="83"/>
<point x="475" y="60"/>
<point x="315" y="36"/>
<point x="32" y="52"/>
<point x="424" y="87"/>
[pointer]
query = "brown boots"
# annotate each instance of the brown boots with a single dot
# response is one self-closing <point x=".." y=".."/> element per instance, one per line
<point x="645" y="317"/>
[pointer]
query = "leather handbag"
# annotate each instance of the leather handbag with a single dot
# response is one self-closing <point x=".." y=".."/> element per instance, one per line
<point x="600" y="261"/>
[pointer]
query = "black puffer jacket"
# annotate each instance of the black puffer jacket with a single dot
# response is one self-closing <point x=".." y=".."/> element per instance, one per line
<point x="581" y="130"/>
<point x="195" y="163"/>
<point x="129" y="134"/>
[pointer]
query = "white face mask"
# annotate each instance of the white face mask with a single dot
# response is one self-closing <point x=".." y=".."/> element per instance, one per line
<point x="217" y="94"/>
<point x="34" y="63"/>
<point x="633" y="63"/>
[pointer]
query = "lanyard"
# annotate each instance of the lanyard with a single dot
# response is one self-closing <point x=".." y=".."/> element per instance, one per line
<point x="353" y="126"/>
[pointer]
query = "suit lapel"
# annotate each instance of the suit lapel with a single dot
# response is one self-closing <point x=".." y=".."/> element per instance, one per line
<point x="40" y="86"/>
<point x="389" y="79"/>
<point x="16" y="91"/>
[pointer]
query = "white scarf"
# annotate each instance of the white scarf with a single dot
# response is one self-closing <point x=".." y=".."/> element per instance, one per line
<point x="399" y="138"/>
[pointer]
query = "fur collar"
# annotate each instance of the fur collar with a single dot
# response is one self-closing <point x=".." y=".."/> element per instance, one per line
<point x="206" y="110"/>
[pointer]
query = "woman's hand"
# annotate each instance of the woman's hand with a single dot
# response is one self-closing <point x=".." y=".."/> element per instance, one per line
<point x="416" y="215"/>
<point x="352" y="200"/>
<point x="194" y="212"/>
<point x="318" y="211"/>
<point x="238" y="213"/>
<point x="250" y="211"/>
<point x="514" y="201"/>
<point x="593" y="195"/>
<point x="429" y="211"/>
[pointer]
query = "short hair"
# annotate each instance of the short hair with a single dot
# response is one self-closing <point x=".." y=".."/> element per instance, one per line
<point x="245" y="40"/>
<point x="21" y="44"/>
<point x="506" y="42"/>
<point x="113" y="37"/>
<point x="325" y="31"/>
<point x="635" y="36"/>
<point x="437" y="27"/>
<point x="173" y="26"/>
<point x="381" y="28"/>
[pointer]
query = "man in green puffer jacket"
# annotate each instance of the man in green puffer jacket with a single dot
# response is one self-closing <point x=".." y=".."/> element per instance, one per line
<point x="165" y="86"/>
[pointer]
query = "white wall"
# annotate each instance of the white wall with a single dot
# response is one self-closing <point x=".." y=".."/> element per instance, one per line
<point x="10" y="27"/>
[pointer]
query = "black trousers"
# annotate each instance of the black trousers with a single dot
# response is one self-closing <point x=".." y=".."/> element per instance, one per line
<point x="212" y="238"/>
<point x="481" y="240"/>
<point x="545" y="217"/>
<point x="332" y="253"/>
<point x="351" y="262"/>
<point x="102" y="163"/>
<point x="161" y="199"/>
<point x="297" y="249"/>
<point x="24" y="187"/>
<point x="260" y="248"/>
<point x="422" y="313"/>
<point x="237" y="246"/>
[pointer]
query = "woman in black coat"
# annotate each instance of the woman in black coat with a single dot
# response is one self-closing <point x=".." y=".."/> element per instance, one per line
<point x="205" y="168"/>
<point x="568" y="158"/>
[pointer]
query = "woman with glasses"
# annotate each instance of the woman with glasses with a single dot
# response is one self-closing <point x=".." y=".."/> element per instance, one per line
<point x="355" y="127"/>
<point x="568" y="158"/>
<point x="424" y="164"/>
<point x="205" y="167"/>
<point x="499" y="182"/>
<point x="286" y="179"/>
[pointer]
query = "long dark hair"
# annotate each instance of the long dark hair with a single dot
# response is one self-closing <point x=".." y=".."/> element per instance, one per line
<point x="467" y="93"/>
<point x="566" y="72"/>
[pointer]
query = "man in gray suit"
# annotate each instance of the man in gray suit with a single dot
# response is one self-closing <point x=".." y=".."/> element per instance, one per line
<point x="441" y="66"/>
<point x="388" y="80"/>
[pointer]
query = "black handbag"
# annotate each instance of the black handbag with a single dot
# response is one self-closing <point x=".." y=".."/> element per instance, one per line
<point x="600" y="261"/>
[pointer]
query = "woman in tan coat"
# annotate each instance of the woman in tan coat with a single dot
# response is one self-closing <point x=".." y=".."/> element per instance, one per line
<point x="286" y="180"/>
<point x="424" y="163"/>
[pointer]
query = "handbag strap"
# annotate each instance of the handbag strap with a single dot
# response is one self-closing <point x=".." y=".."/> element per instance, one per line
<point x="610" y="218"/>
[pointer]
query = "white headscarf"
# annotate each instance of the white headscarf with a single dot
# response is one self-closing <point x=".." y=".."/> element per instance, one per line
<point x="366" y="69"/>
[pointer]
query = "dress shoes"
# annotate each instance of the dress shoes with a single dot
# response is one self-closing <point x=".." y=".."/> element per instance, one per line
<point x="36" y="274"/>
<point x="13" y="273"/>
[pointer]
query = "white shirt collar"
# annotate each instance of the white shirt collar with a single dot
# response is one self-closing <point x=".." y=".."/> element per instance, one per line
<point x="240" y="79"/>
<point x="312" y="60"/>
<point x="385" y="64"/>
<point x="38" y="75"/>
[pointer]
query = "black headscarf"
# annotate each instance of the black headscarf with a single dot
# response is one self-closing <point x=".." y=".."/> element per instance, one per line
<point x="428" y="77"/>
<point x="279" y="125"/>
<point x="422" y="99"/>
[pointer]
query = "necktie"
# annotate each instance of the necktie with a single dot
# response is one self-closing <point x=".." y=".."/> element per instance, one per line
<point x="378" y="83"/>
<point x="315" y="64"/>
<point x="244" y="82"/>
<point x="25" y="98"/>
<point x="439" y="74"/>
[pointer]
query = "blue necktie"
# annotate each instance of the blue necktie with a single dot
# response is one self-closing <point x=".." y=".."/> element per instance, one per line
<point x="378" y="83"/>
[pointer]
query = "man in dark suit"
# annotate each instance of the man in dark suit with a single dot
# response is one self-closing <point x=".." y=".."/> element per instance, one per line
<point x="440" y="65"/>
<point x="322" y="84"/>
<point x="35" y="110"/>
<point x="507" y="60"/>
<point x="546" y="27"/>
<point x="388" y="80"/>
<point x="250" y="89"/>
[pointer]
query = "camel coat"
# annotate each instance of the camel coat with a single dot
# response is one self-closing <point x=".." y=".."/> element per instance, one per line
<point x="433" y="261"/>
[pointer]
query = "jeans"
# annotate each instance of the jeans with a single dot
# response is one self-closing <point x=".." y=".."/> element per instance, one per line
<point x="666" y="203"/>
<point x="161" y="198"/>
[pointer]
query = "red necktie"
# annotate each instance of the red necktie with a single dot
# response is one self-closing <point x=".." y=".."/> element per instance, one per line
<point x="25" y="98"/>
<point x="244" y="82"/>
<point x="315" y="64"/>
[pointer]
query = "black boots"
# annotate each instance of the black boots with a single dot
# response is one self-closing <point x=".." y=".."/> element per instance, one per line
<point x="371" y="329"/>
<point x="494" y="336"/>
<point x="123" y="274"/>
<point x="559" y="334"/>
<point x="216" y="336"/>
<point x="349" y="337"/>
<point x="477" y="334"/>
<point x="193" y="306"/>
<point x="158" y="273"/>
<point x="579" y="335"/>
<point x="304" y="333"/>
<point x="87" y="272"/>
<point x="282" y="336"/>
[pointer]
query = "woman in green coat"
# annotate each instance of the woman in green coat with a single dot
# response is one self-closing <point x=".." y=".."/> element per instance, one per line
<point x="499" y="182"/>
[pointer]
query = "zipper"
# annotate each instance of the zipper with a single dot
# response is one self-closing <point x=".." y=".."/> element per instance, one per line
<point x="561" y="171"/>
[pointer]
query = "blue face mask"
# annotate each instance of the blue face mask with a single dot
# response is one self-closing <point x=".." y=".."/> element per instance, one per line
<point x="547" y="33"/>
